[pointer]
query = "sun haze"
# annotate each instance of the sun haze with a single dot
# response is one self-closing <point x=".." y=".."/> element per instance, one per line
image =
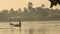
<point x="15" y="4"/>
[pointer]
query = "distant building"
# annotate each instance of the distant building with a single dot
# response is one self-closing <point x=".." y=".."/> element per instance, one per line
<point x="31" y="10"/>
<point x="30" y="5"/>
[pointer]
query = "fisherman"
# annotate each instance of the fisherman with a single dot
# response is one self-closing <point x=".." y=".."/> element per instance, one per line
<point x="20" y="24"/>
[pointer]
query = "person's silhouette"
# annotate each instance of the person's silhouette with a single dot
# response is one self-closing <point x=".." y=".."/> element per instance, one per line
<point x="19" y="23"/>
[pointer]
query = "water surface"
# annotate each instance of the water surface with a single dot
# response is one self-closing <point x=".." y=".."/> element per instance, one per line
<point x="31" y="27"/>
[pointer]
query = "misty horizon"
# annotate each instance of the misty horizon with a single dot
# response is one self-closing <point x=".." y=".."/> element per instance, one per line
<point x="15" y="4"/>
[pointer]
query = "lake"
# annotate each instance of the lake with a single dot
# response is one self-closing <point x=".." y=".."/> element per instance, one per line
<point x="31" y="27"/>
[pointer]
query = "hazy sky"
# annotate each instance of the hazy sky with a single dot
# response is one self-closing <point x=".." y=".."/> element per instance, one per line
<point x="8" y="4"/>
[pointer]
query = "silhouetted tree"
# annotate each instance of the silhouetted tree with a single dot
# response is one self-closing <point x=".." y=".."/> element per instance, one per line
<point x="19" y="10"/>
<point x="12" y="13"/>
<point x="54" y="2"/>
<point x="42" y="5"/>
<point x="4" y="14"/>
<point x="25" y="13"/>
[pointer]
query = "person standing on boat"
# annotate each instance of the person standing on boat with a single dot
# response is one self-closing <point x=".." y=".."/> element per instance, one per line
<point x="20" y="24"/>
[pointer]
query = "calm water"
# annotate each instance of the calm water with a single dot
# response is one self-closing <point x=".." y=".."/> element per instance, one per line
<point x="30" y="27"/>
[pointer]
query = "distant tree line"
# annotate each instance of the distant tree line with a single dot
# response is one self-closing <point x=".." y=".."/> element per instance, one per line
<point x="38" y="13"/>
